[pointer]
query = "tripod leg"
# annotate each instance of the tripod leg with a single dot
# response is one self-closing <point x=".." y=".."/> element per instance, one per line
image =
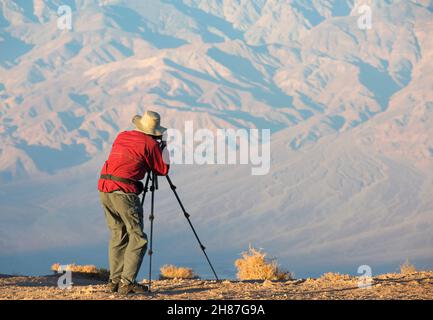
<point x="151" y="218"/>
<point x="186" y="214"/>
<point x="146" y="185"/>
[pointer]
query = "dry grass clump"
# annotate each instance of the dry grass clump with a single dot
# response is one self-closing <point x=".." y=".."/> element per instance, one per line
<point x="173" y="272"/>
<point x="254" y="266"/>
<point x="86" y="269"/>
<point x="407" y="268"/>
<point x="74" y="268"/>
<point x="334" y="277"/>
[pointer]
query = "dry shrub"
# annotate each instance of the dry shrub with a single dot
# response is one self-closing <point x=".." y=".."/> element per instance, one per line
<point x="55" y="267"/>
<point x="334" y="277"/>
<point x="173" y="272"/>
<point x="75" y="268"/>
<point x="254" y="266"/>
<point x="407" y="268"/>
<point x="86" y="269"/>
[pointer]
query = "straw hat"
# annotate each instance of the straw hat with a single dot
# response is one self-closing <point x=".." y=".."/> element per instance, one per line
<point x="149" y="123"/>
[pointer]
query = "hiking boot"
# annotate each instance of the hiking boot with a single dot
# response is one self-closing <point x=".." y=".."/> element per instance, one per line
<point x="113" y="286"/>
<point x="125" y="288"/>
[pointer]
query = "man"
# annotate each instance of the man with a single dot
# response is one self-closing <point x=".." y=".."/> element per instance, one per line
<point x="132" y="155"/>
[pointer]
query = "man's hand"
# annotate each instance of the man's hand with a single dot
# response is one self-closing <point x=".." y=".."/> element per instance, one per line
<point x="161" y="142"/>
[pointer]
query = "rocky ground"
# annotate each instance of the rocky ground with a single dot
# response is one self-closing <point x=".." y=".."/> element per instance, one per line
<point x="417" y="285"/>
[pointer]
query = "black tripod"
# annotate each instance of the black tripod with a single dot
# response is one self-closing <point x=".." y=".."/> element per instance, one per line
<point x="154" y="177"/>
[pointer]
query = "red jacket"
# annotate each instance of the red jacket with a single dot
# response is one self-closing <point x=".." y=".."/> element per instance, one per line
<point x="132" y="155"/>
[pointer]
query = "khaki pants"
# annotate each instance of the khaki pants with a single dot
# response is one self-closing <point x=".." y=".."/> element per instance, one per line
<point x="128" y="243"/>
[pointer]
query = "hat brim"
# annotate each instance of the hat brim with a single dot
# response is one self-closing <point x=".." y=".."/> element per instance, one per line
<point x="158" y="131"/>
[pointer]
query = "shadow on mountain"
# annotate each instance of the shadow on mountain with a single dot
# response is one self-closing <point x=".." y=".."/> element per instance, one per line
<point x="182" y="95"/>
<point x="273" y="97"/>
<point x="318" y="107"/>
<point x="27" y="9"/>
<point x="80" y="99"/>
<point x="244" y="70"/>
<point x="311" y="14"/>
<point x="35" y="75"/>
<point x="341" y="9"/>
<point x="378" y="82"/>
<point x="237" y="65"/>
<point x="205" y="21"/>
<point x="70" y="120"/>
<point x="73" y="48"/>
<point x="241" y="68"/>
<point x="3" y="22"/>
<point x="130" y="21"/>
<point x="51" y="160"/>
<point x="125" y="51"/>
<point x="235" y="117"/>
<point x="11" y="49"/>
<point x="18" y="171"/>
<point x="336" y="122"/>
<point x="191" y="72"/>
<point x="404" y="73"/>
